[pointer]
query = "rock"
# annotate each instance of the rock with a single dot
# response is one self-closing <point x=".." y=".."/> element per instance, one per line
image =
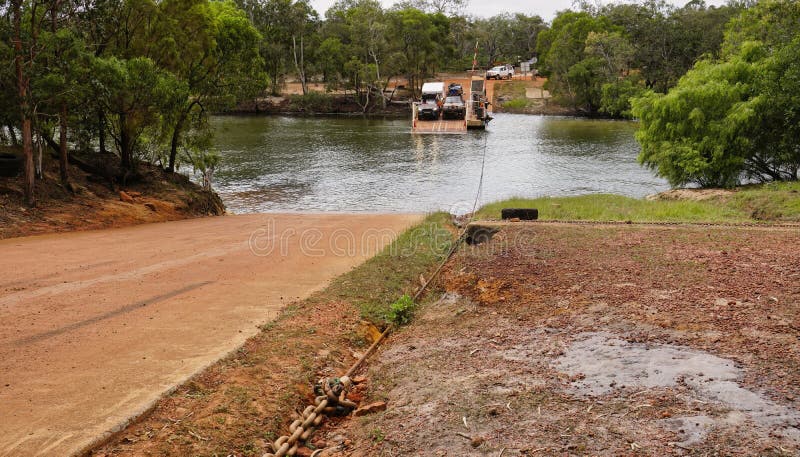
<point x="134" y="194"/>
<point x="303" y="452"/>
<point x="150" y="206"/>
<point x="125" y="197"/>
<point x="370" y="409"/>
<point x="477" y="441"/>
<point x="359" y="379"/>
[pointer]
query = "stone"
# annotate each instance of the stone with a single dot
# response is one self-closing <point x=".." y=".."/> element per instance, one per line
<point x="150" y="206"/>
<point x="370" y="409"/>
<point x="359" y="379"/>
<point x="125" y="197"/>
<point x="303" y="452"/>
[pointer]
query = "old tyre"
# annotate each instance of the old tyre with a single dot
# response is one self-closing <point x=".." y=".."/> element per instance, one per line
<point x="523" y="214"/>
<point x="10" y="165"/>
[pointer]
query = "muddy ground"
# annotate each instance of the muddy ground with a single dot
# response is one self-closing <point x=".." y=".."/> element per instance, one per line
<point x="596" y="340"/>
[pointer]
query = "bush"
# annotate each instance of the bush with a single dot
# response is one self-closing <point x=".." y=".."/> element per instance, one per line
<point x="312" y="102"/>
<point x="401" y="311"/>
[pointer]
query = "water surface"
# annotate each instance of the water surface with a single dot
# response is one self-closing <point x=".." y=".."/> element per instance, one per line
<point x="356" y="164"/>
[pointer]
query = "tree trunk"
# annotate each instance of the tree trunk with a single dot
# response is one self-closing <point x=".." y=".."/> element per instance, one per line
<point x="22" y="86"/>
<point x="124" y="143"/>
<point x="299" y="64"/>
<point x="62" y="137"/>
<point x="176" y="136"/>
<point x="101" y="132"/>
<point x="38" y="171"/>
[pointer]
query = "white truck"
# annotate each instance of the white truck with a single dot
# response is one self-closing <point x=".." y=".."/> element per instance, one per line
<point x="430" y="105"/>
<point x="500" y="72"/>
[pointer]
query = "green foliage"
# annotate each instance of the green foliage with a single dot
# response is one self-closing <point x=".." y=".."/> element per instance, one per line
<point x="620" y="49"/>
<point x="616" y="96"/>
<point x="401" y="311"/>
<point x="516" y="104"/>
<point x="312" y="102"/>
<point x="729" y="120"/>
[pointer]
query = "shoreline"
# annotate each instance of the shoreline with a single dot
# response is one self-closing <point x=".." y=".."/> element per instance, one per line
<point x="93" y="204"/>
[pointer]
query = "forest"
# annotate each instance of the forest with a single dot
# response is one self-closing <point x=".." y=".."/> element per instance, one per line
<point x="108" y="84"/>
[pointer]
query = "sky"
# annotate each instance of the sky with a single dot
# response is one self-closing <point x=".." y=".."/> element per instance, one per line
<point x="486" y="8"/>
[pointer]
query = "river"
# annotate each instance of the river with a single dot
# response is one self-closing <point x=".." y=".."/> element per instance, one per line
<point x="276" y="163"/>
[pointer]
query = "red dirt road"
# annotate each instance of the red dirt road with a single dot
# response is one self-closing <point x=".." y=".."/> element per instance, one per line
<point x="95" y="326"/>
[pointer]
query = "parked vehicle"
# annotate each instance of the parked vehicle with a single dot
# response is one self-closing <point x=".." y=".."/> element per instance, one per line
<point x="500" y="72"/>
<point x="454" y="107"/>
<point x="430" y="105"/>
<point x="455" y="89"/>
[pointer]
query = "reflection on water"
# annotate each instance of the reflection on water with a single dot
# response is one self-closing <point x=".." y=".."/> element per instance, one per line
<point x="355" y="164"/>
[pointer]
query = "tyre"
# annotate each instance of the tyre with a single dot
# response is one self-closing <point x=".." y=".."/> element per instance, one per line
<point x="523" y="214"/>
<point x="10" y="165"/>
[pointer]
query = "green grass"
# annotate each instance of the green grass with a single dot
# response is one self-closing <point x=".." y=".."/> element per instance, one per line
<point x="776" y="202"/>
<point x="517" y="103"/>
<point x="380" y="281"/>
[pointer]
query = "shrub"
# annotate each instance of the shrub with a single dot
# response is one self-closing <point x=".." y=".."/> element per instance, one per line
<point x="401" y="311"/>
<point x="312" y="102"/>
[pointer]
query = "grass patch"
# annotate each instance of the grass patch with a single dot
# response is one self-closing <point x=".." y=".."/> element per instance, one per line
<point x="515" y="104"/>
<point x="512" y="89"/>
<point x="380" y="281"/>
<point x="515" y="94"/>
<point x="776" y="202"/>
<point x="779" y="201"/>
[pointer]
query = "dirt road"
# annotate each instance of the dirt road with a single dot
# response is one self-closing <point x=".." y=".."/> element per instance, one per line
<point x="95" y="326"/>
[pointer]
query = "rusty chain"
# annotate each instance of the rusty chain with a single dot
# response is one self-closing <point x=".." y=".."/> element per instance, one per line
<point x="333" y="401"/>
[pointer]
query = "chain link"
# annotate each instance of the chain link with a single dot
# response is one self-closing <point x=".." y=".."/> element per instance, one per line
<point x="333" y="401"/>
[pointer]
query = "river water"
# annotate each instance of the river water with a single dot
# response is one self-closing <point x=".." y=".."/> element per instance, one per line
<point x="354" y="164"/>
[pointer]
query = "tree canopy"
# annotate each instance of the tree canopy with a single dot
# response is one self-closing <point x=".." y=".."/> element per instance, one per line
<point x="736" y="118"/>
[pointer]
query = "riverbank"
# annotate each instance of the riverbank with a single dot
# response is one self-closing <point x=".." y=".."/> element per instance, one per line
<point x="764" y="203"/>
<point x="529" y="96"/>
<point x="317" y="103"/>
<point x="522" y="95"/>
<point x="154" y="196"/>
<point x="237" y="405"/>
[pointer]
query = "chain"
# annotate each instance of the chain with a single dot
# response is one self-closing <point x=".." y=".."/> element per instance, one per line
<point x="333" y="401"/>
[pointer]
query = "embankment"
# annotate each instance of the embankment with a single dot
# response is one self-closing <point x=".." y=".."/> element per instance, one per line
<point x="95" y="202"/>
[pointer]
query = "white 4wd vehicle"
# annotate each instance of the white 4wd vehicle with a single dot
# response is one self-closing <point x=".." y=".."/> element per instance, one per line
<point x="500" y="72"/>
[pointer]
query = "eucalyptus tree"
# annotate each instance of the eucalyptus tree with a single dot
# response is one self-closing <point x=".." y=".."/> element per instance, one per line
<point x="418" y="41"/>
<point x="283" y="24"/>
<point x="573" y="73"/>
<point x="217" y="57"/>
<point x="356" y="37"/>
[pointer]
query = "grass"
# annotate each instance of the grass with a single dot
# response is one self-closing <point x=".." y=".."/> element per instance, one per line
<point x="380" y="281"/>
<point x="515" y="92"/>
<point x="775" y="202"/>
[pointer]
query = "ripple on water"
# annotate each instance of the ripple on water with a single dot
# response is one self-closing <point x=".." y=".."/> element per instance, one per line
<point x="354" y="164"/>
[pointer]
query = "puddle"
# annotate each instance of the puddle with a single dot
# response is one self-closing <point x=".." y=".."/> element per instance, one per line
<point x="608" y="363"/>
